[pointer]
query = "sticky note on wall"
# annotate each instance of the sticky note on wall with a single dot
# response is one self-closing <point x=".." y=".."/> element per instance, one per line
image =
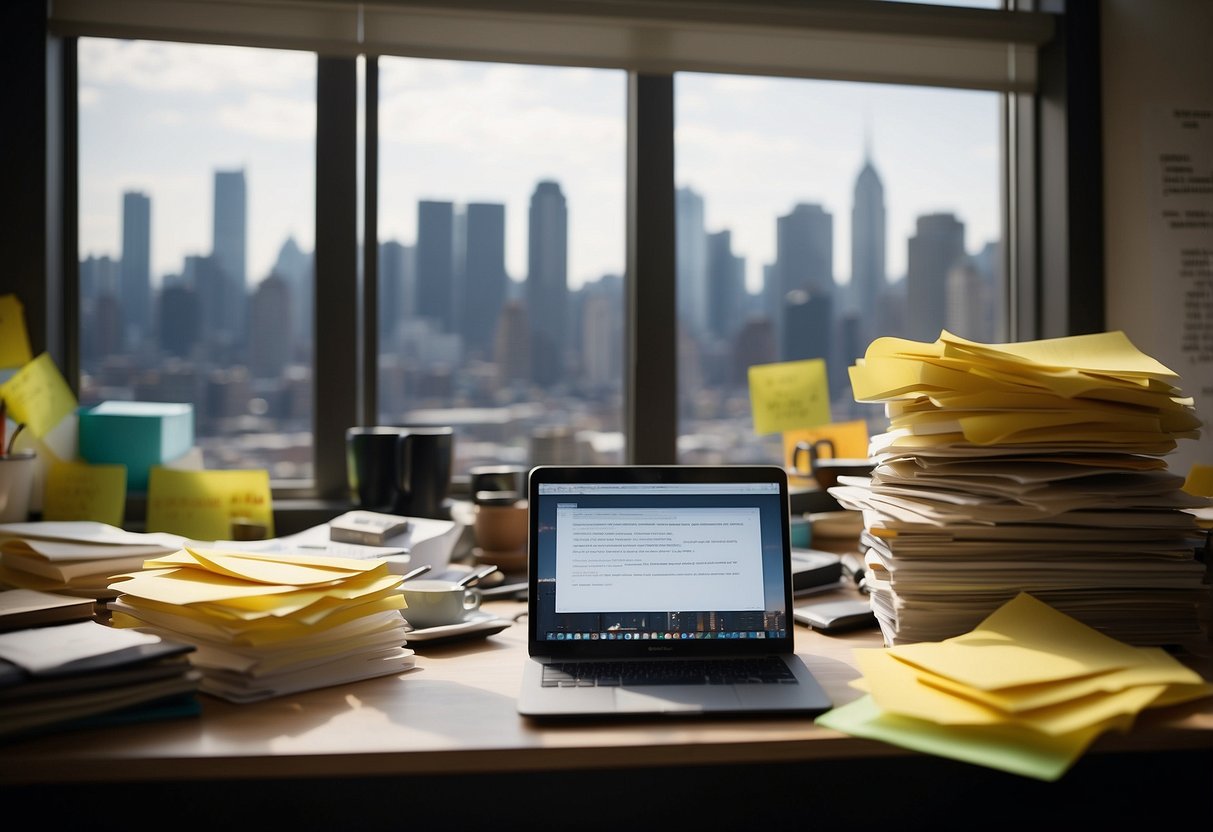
<point x="788" y="395"/>
<point x="38" y="396"/>
<point x="78" y="491"/>
<point x="14" y="338"/>
<point x="208" y="505"/>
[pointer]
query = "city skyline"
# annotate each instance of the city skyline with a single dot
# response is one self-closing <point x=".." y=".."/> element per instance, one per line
<point x="753" y="146"/>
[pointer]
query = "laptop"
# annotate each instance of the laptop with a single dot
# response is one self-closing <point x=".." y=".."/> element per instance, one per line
<point x="661" y="590"/>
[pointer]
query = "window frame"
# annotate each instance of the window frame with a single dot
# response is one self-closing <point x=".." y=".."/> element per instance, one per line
<point x="1052" y="221"/>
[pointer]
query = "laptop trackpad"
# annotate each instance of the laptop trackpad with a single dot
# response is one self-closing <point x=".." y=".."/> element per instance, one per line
<point x="673" y="698"/>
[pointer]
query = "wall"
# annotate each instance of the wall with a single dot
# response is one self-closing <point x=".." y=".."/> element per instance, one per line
<point x="1153" y="52"/>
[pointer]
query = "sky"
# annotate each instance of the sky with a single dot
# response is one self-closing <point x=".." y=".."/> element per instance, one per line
<point x="162" y="118"/>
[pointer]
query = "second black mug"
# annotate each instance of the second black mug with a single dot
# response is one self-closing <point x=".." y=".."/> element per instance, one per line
<point x="400" y="469"/>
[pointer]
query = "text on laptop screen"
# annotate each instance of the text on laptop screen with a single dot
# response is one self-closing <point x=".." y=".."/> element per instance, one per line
<point x="627" y="561"/>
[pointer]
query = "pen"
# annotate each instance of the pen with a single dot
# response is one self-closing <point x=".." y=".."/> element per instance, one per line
<point x="4" y="428"/>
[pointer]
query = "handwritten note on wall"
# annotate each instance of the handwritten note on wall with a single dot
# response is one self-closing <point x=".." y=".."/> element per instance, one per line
<point x="789" y="395"/>
<point x="38" y="396"/>
<point x="207" y="505"/>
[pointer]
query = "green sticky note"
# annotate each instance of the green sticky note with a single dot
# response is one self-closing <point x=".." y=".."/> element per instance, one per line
<point x="208" y="505"/>
<point x="789" y="395"/>
<point x="1003" y="747"/>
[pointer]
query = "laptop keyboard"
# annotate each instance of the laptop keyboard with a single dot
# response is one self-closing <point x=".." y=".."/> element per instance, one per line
<point x="765" y="670"/>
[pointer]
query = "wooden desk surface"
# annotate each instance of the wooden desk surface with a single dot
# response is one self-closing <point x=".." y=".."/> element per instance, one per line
<point x="455" y="713"/>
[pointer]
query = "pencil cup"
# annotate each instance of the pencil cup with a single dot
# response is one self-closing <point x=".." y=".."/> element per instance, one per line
<point x="16" y="486"/>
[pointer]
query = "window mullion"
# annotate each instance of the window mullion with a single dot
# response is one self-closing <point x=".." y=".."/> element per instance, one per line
<point x="336" y="315"/>
<point x="651" y="383"/>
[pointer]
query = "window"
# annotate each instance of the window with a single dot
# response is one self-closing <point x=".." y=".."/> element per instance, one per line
<point x="501" y="253"/>
<point x="815" y="216"/>
<point x="668" y="90"/>
<point x="196" y="222"/>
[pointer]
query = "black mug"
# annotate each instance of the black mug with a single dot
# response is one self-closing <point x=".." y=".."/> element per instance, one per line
<point x="400" y="469"/>
<point x="424" y="456"/>
<point x="370" y="463"/>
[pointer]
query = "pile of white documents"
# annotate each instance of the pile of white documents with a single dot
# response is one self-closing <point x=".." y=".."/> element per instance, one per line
<point x="267" y="624"/>
<point x="1032" y="467"/>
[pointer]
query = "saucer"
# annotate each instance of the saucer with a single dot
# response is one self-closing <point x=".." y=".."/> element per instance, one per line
<point x="478" y="624"/>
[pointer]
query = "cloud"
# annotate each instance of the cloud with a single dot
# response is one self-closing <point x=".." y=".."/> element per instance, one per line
<point x="193" y="68"/>
<point x="271" y="117"/>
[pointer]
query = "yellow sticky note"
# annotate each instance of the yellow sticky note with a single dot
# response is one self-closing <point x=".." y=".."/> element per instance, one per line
<point x="79" y="491"/>
<point x="1200" y="481"/>
<point x="38" y="396"/>
<point x="204" y="505"/>
<point x="849" y="441"/>
<point x="14" y="339"/>
<point x="789" y="395"/>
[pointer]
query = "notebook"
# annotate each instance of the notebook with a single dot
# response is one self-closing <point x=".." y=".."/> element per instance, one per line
<point x="661" y="590"/>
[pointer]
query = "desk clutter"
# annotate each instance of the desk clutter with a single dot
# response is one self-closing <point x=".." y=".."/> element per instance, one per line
<point x="1026" y="691"/>
<point x="61" y="669"/>
<point x="1033" y="467"/>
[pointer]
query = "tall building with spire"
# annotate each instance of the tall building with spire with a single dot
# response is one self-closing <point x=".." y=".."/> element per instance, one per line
<point x="869" y="270"/>
<point x="547" y="284"/>
<point x="135" y="271"/>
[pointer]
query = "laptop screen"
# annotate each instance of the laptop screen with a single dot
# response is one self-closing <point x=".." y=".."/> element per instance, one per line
<point x="659" y="559"/>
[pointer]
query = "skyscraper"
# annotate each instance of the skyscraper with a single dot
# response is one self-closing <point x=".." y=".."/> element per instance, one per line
<point x="229" y="249"/>
<point x="726" y="292"/>
<point x="868" y="265"/>
<point x="691" y="261"/>
<point x="547" y="287"/>
<point x="270" y="328"/>
<point x="935" y="248"/>
<point x="484" y="276"/>
<point x="804" y="246"/>
<point x="136" y="267"/>
<point x="435" y="263"/>
<point x="395" y="262"/>
<point x="295" y="267"/>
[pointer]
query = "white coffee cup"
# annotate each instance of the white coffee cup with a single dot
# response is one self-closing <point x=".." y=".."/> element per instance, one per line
<point x="437" y="603"/>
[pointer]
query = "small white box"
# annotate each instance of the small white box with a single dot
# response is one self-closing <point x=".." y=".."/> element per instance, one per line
<point x="370" y="528"/>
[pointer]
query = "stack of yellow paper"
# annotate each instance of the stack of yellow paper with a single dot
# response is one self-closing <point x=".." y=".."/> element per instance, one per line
<point x="1035" y="466"/>
<point x="266" y="624"/>
<point x="1027" y="691"/>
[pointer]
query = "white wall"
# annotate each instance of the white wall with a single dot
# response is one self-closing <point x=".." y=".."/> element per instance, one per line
<point x="1154" y="52"/>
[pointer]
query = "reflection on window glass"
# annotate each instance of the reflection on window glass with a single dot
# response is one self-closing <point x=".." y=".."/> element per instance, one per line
<point x="813" y="217"/>
<point x="196" y="222"/>
<point x="501" y="251"/>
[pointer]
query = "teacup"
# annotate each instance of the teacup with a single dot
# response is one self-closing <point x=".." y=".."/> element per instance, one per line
<point x="437" y="603"/>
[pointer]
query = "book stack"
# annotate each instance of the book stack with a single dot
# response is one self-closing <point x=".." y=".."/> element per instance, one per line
<point x="267" y="624"/>
<point x="74" y="557"/>
<point x="59" y="670"/>
<point x="1032" y="467"/>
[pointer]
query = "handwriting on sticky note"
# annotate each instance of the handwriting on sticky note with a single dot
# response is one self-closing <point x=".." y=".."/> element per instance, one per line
<point x="78" y="491"/>
<point x="204" y="505"/>
<point x="14" y="338"/>
<point x="789" y="395"/>
<point x="38" y="396"/>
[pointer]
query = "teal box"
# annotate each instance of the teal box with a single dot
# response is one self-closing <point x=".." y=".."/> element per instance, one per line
<point x="137" y="435"/>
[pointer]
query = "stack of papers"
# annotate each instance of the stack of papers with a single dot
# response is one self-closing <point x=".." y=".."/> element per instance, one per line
<point x="266" y="624"/>
<point x="1027" y="691"/>
<point x="1034" y="466"/>
<point x="74" y="557"/>
<point x="85" y="673"/>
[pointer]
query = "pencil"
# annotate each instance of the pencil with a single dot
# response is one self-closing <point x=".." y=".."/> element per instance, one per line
<point x="3" y="427"/>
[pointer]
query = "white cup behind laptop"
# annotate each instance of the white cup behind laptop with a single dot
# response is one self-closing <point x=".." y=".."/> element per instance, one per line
<point x="438" y="603"/>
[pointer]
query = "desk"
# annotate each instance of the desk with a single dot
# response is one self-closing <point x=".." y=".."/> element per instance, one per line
<point x="385" y="751"/>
